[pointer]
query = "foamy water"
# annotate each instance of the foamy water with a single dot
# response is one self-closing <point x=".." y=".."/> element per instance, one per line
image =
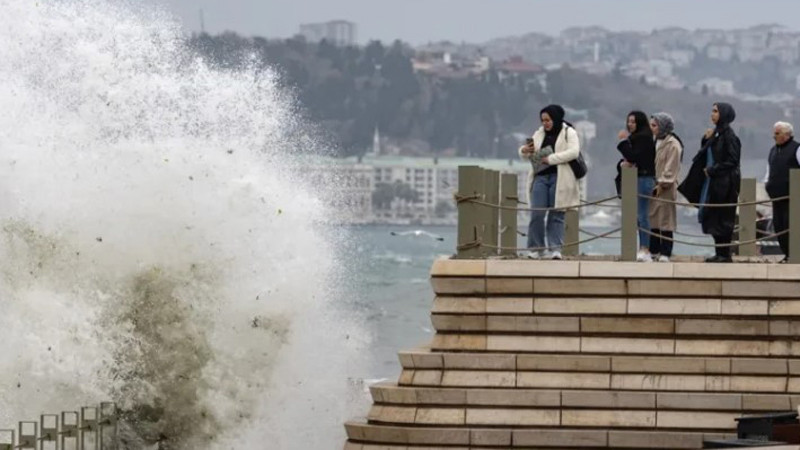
<point x="159" y="246"/>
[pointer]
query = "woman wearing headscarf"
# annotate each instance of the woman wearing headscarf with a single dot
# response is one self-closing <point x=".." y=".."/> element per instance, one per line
<point x="715" y="178"/>
<point x="663" y="215"/>
<point x="637" y="147"/>
<point x="551" y="182"/>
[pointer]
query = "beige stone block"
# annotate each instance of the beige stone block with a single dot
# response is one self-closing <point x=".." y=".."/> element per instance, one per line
<point x="580" y="286"/>
<point x="427" y="378"/>
<point x="784" y="307"/>
<point x="795" y="401"/>
<point x="438" y="436"/>
<point x="721" y="348"/>
<point x="722" y="437"/>
<point x="783" y="272"/>
<point x="509" y="286"/>
<point x="427" y="360"/>
<point x="480" y="361"/>
<point x="560" y="438"/>
<point x="627" y="325"/>
<point x="393" y="414"/>
<point x="501" y="324"/>
<point x="446" y="267"/>
<point x="400" y="395"/>
<point x="513" y="417"/>
<point x="406" y="377"/>
<point x="627" y="345"/>
<point x="608" y="399"/>
<point x="760" y="366"/>
<point x="618" y="269"/>
<point x="723" y="327"/>
<point x="509" y="305"/>
<point x="693" y="401"/>
<point x="794" y="385"/>
<point x="493" y="438"/>
<point x="761" y="289"/>
<point x="353" y="446"/>
<point x="539" y="269"/>
<point x="459" y="305"/>
<point x="406" y="361"/>
<point x="720" y="271"/>
<point x="758" y="384"/>
<point x="651" y="439"/>
<point x="745" y="307"/>
<point x="782" y="348"/>
<point x="656" y="364"/>
<point x="670" y="288"/>
<point x="384" y="434"/>
<point x="784" y="328"/>
<point x="441" y="416"/>
<point x="354" y="430"/>
<point x="607" y="418"/>
<point x="565" y="363"/>
<point x="764" y="402"/>
<point x="513" y="397"/>
<point x="437" y="396"/>
<point x="458" y="286"/>
<point x="533" y="343"/>
<point x="558" y="305"/>
<point x="458" y="378"/>
<point x="564" y="380"/>
<point x="383" y="447"/>
<point x="718" y="365"/>
<point x="718" y="383"/>
<point x="794" y="366"/>
<point x="696" y="420"/>
<point x="547" y="324"/>
<point x="674" y="306"/>
<point x="447" y="322"/>
<point x="654" y="382"/>
<point x="376" y="392"/>
<point x="458" y="342"/>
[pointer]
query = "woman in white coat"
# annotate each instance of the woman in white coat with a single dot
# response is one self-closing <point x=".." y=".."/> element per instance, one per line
<point x="551" y="182"/>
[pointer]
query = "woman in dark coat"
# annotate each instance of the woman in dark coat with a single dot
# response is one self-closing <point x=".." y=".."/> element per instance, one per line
<point x="715" y="178"/>
<point x="638" y="149"/>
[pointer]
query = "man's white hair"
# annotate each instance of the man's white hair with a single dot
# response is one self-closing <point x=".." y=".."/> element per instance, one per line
<point x="785" y="127"/>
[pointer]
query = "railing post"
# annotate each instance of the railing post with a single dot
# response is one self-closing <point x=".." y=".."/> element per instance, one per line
<point x="571" y="232"/>
<point x="794" y="216"/>
<point x="470" y="182"/>
<point x="7" y="439"/>
<point x="747" y="217"/>
<point x="630" y="228"/>
<point x="508" y="217"/>
<point x="492" y="186"/>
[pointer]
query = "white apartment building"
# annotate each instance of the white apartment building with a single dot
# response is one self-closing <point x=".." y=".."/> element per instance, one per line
<point x="337" y="32"/>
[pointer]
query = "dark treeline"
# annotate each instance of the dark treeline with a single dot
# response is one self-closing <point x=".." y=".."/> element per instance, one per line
<point x="351" y="90"/>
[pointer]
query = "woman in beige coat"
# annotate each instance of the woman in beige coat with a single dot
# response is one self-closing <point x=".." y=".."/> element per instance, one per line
<point x="551" y="181"/>
<point x="663" y="216"/>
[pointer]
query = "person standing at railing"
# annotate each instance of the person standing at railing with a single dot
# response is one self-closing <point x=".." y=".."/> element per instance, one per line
<point x="551" y="181"/>
<point x="637" y="147"/>
<point x="783" y="157"/>
<point x="715" y="178"/>
<point x="663" y="215"/>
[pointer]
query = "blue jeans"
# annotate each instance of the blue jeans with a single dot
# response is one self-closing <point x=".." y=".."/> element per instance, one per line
<point x="543" y="195"/>
<point x="645" y="187"/>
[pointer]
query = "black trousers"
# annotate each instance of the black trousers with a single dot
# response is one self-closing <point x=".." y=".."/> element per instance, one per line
<point x="780" y="222"/>
<point x="723" y="251"/>
<point x="660" y="246"/>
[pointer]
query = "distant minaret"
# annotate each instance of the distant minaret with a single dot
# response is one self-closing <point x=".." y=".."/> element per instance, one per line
<point x="376" y="142"/>
<point x="202" y="23"/>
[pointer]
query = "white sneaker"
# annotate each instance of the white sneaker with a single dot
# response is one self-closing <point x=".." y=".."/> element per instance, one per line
<point x="644" y="257"/>
<point x="530" y="255"/>
<point x="555" y="255"/>
<point x="663" y="258"/>
<point x="547" y="254"/>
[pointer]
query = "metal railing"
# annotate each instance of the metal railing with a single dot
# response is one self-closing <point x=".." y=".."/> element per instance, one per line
<point x="91" y="428"/>
<point x="488" y="205"/>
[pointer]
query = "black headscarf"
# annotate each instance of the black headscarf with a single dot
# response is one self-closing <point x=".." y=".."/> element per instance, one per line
<point x="556" y="113"/>
<point x="726" y="115"/>
<point x="642" y="124"/>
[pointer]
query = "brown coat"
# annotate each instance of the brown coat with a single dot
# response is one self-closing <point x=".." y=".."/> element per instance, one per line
<point x="663" y="216"/>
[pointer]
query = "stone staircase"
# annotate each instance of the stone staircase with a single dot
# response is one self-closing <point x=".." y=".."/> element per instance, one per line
<point x="591" y="355"/>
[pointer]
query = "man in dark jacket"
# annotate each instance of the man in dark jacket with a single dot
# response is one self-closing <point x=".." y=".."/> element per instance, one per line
<point x="783" y="157"/>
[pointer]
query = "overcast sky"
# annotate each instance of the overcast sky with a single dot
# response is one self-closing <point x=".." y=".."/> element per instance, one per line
<point x="420" y="21"/>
